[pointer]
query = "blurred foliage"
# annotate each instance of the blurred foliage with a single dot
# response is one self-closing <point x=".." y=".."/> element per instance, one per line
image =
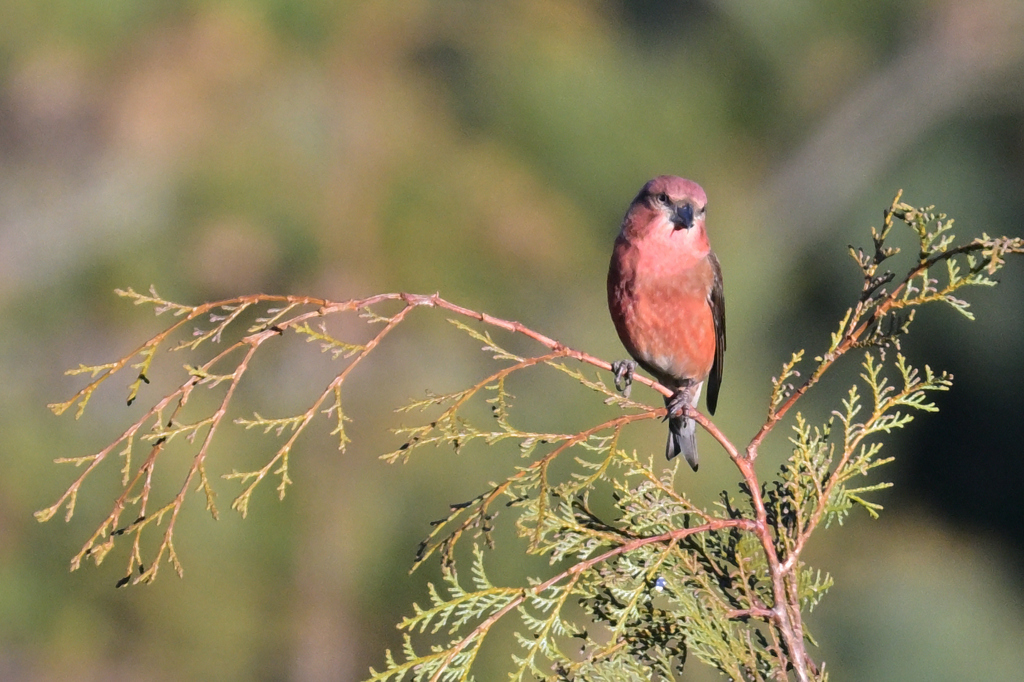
<point x="487" y="151"/>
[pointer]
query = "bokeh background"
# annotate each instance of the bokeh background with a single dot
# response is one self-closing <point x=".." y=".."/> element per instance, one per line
<point x="486" y="150"/>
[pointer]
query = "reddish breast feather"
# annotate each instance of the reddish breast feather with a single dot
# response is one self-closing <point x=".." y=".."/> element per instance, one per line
<point x="672" y="324"/>
<point x="661" y="312"/>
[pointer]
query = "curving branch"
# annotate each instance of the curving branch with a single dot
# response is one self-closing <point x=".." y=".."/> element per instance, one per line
<point x="658" y="575"/>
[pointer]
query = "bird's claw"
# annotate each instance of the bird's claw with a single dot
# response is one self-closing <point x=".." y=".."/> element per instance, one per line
<point x="623" y="371"/>
<point x="677" y="404"/>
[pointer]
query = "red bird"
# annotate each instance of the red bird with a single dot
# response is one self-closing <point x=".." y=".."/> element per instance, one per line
<point x="666" y="300"/>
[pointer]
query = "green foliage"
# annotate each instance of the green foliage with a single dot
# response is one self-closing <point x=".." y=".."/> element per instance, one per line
<point x="641" y="578"/>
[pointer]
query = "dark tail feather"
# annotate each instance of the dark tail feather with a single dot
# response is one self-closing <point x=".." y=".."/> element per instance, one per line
<point x="682" y="438"/>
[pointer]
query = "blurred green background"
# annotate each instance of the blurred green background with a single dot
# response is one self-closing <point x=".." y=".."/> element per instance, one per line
<point x="487" y="151"/>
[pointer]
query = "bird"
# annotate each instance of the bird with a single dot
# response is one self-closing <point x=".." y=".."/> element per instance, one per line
<point x="667" y="302"/>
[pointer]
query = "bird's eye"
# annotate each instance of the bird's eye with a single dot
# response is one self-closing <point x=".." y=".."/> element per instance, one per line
<point x="663" y="199"/>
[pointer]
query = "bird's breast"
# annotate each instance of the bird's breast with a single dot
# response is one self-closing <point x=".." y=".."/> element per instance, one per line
<point x="662" y="314"/>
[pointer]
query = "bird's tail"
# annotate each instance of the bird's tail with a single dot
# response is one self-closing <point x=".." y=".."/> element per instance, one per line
<point x="682" y="438"/>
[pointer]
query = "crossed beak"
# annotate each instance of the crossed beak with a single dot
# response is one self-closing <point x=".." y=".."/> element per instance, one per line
<point x="682" y="217"/>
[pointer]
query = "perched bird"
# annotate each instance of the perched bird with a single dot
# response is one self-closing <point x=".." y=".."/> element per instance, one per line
<point x="666" y="300"/>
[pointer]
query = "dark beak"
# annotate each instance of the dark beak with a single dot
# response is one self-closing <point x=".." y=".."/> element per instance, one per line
<point x="682" y="217"/>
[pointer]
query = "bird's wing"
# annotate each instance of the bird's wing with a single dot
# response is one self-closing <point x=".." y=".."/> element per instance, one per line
<point x="716" y="299"/>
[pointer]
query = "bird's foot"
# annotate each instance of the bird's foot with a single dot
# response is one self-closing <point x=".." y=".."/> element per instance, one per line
<point x="678" y="403"/>
<point x="623" y="371"/>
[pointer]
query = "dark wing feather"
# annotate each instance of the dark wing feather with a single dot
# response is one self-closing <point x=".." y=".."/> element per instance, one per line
<point x="716" y="299"/>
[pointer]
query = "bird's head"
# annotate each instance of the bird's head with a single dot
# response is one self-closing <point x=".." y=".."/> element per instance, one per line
<point x="669" y="211"/>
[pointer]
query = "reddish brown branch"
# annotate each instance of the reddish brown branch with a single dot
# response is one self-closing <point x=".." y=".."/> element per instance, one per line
<point x="784" y="615"/>
<point x="576" y="570"/>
